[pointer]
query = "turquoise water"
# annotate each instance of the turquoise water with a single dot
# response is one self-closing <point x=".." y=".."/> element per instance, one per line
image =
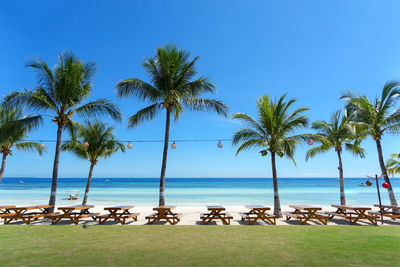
<point x="196" y="191"/>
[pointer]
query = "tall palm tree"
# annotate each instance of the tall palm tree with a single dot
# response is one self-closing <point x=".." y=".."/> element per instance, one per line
<point x="393" y="164"/>
<point x="96" y="140"/>
<point x="172" y="88"/>
<point x="339" y="132"/>
<point x="376" y="118"/>
<point x="61" y="91"/>
<point x="272" y="131"/>
<point x="14" y="126"/>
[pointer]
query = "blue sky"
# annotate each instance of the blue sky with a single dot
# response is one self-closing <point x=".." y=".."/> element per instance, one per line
<point x="312" y="50"/>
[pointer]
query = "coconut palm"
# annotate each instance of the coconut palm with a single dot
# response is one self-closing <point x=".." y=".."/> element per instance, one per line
<point x="61" y="91"/>
<point x="94" y="140"/>
<point x="393" y="164"/>
<point x="172" y="88"/>
<point x="338" y="133"/>
<point x="14" y="126"/>
<point x="376" y="118"/>
<point x="272" y="131"/>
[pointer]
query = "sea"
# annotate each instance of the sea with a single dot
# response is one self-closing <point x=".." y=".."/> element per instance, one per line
<point x="194" y="191"/>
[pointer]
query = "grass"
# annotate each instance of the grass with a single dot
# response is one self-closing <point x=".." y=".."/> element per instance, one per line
<point x="199" y="245"/>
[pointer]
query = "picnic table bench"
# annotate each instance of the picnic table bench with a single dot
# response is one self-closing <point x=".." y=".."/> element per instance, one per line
<point x="5" y="210"/>
<point x="74" y="217"/>
<point x="27" y="213"/>
<point x="384" y="210"/>
<point x="353" y="213"/>
<point x="118" y="213"/>
<point x="216" y="213"/>
<point x="258" y="212"/>
<point x="304" y="213"/>
<point x="164" y="213"/>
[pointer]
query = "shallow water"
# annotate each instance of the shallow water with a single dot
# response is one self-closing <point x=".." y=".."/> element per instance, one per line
<point x="194" y="191"/>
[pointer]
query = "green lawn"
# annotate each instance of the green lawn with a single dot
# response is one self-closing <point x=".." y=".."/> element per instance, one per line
<point x="199" y="245"/>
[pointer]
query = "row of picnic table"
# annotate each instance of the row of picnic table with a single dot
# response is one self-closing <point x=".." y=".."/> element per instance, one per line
<point x="121" y="214"/>
<point x="71" y="213"/>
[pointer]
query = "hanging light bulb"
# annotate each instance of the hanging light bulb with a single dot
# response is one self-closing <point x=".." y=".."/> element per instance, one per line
<point x="310" y="142"/>
<point x="129" y="146"/>
<point x="85" y="144"/>
<point x="173" y="146"/>
<point x="42" y="145"/>
<point x="220" y="145"/>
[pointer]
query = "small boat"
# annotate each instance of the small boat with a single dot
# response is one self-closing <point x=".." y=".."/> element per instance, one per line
<point x="20" y="181"/>
<point x="362" y="184"/>
<point x="106" y="181"/>
<point x="73" y="195"/>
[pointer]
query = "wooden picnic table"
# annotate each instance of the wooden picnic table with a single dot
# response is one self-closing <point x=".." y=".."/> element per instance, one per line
<point x="353" y="213"/>
<point x="216" y="213"/>
<point x="164" y="213"/>
<point x="118" y="213"/>
<point x="304" y="213"/>
<point x="70" y="213"/>
<point x="5" y="210"/>
<point x="258" y="212"/>
<point x="384" y="211"/>
<point x="27" y="213"/>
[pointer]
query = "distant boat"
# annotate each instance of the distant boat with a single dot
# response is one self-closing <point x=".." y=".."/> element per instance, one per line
<point x="362" y="184"/>
<point x="106" y="181"/>
<point x="73" y="195"/>
<point x="20" y="181"/>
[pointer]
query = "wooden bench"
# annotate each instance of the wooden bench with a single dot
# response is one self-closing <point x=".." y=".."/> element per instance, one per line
<point x="303" y="217"/>
<point x="223" y="216"/>
<point x="6" y="214"/>
<point x="353" y="217"/>
<point x="74" y="217"/>
<point x="28" y="217"/>
<point x="74" y="214"/>
<point x="294" y="215"/>
<point x="392" y="215"/>
<point x="176" y="217"/>
<point x="122" y="218"/>
<point x="252" y="218"/>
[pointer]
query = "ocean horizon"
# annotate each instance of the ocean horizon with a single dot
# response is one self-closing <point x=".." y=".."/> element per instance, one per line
<point x="193" y="191"/>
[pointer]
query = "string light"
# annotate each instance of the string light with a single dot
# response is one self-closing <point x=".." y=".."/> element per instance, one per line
<point x="85" y="145"/>
<point x="42" y="145"/>
<point x="173" y="146"/>
<point x="219" y="144"/>
<point x="129" y="145"/>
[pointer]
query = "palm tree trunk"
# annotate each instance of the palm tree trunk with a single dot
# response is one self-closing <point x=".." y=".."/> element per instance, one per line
<point x="392" y="198"/>
<point x="161" y="201"/>
<point x="88" y="184"/>
<point x="277" y="203"/>
<point x="53" y="193"/>
<point x="341" y="179"/>
<point x="3" y="165"/>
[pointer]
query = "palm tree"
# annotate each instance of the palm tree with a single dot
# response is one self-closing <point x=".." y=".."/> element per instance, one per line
<point x="377" y="117"/>
<point x="14" y="126"/>
<point x="96" y="141"/>
<point x="339" y="132"/>
<point x="272" y="131"/>
<point x="393" y="164"/>
<point x="172" y="88"/>
<point x="62" y="90"/>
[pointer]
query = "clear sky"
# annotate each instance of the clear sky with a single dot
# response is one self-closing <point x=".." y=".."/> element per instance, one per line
<point x="312" y="50"/>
